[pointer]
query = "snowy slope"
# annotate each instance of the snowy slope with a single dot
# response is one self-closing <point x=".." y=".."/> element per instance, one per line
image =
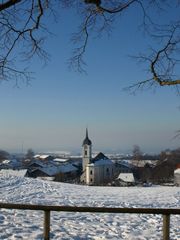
<point x="16" y="224"/>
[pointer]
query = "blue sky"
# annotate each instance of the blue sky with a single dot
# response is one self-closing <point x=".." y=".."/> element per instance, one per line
<point x="53" y="112"/>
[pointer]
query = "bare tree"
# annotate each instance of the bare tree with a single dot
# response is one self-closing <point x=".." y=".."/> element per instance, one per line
<point x="137" y="155"/>
<point x="23" y="31"/>
<point x="3" y="155"/>
<point x="30" y="154"/>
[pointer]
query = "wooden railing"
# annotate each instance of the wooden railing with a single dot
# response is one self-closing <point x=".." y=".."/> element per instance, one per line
<point x="47" y="209"/>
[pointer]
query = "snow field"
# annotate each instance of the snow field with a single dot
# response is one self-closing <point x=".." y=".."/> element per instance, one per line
<point x="18" y="224"/>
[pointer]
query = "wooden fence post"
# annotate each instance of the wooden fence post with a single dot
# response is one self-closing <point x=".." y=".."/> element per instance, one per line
<point x="166" y="226"/>
<point x="46" y="225"/>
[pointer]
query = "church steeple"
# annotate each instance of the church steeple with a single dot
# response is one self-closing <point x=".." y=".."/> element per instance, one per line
<point x="86" y="133"/>
<point x="86" y="151"/>
<point x="87" y="141"/>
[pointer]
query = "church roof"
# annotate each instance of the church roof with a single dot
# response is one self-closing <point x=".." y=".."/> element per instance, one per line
<point x="101" y="160"/>
<point x="99" y="156"/>
<point x="87" y="141"/>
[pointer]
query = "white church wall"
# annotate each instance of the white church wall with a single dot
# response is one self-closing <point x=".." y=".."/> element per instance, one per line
<point x="90" y="174"/>
<point x="99" y="174"/>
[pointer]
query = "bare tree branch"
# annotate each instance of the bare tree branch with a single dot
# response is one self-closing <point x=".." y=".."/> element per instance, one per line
<point x="20" y="23"/>
<point x="166" y="53"/>
<point x="22" y="35"/>
<point x="7" y="4"/>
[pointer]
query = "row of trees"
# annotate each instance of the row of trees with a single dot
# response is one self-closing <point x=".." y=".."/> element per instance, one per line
<point x="171" y="155"/>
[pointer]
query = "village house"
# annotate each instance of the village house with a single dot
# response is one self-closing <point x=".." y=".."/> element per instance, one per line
<point x="123" y="166"/>
<point x="125" y="179"/>
<point x="156" y="172"/>
<point x="10" y="164"/>
<point x="95" y="171"/>
<point x="51" y="170"/>
<point x="44" y="157"/>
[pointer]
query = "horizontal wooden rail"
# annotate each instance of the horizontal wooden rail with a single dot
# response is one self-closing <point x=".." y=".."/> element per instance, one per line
<point x="166" y="212"/>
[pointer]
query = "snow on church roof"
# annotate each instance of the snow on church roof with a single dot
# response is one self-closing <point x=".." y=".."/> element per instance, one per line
<point x="103" y="162"/>
<point x="100" y="160"/>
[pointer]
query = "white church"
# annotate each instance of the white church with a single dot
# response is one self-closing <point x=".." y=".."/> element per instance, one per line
<point x="95" y="171"/>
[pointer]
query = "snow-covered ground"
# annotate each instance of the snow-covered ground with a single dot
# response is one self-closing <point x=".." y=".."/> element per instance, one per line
<point x="18" y="224"/>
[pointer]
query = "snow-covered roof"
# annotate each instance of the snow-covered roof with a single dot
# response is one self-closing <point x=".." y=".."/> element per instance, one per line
<point x="13" y="163"/>
<point x="50" y="171"/>
<point x="62" y="160"/>
<point x="177" y="171"/>
<point x="102" y="162"/>
<point x="38" y="163"/>
<point x="43" y="156"/>
<point x="53" y="170"/>
<point x="142" y="163"/>
<point x="124" y="163"/>
<point x="68" y="168"/>
<point x="126" y="177"/>
<point x="10" y="172"/>
<point x="6" y="161"/>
